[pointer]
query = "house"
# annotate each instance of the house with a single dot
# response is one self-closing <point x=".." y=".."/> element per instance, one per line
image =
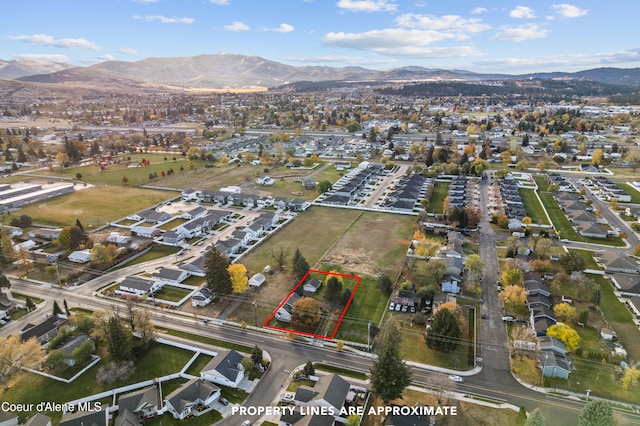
<point x="154" y="216"/>
<point x="173" y="238"/>
<point x="145" y="231"/>
<point x="228" y="247"/>
<point x="117" y="239"/>
<point x="454" y="265"/>
<point x="397" y="417"/>
<point x="540" y="325"/>
<point x="171" y="276"/>
<point x="38" y="419"/>
<point x="189" y="194"/>
<point x="126" y="418"/>
<point x="44" y="331"/>
<point x="298" y="205"/>
<point x="257" y="280"/>
<point x="72" y="344"/>
<point x="312" y="285"/>
<point x="143" y="403"/>
<point x="330" y="392"/>
<point x="8" y="418"/>
<point x="451" y="284"/>
<point x="196" y="267"/>
<point x="182" y="401"/>
<point x="80" y="256"/>
<point x="48" y="234"/>
<point x="265" y="180"/>
<point x="195" y="213"/>
<point x="139" y="286"/>
<point x="534" y="287"/>
<point x="553" y="365"/>
<point x="611" y="261"/>
<point x="281" y="203"/>
<point x="627" y="284"/>
<point x="6" y="306"/>
<point x="588" y="229"/>
<point x="202" y="297"/>
<point x="243" y="236"/>
<point x="542" y="312"/>
<point x="406" y="298"/>
<point x="284" y="312"/>
<point x="535" y="300"/>
<point x="87" y="418"/>
<point x="224" y="369"/>
<point x="607" y="334"/>
<point x="548" y="343"/>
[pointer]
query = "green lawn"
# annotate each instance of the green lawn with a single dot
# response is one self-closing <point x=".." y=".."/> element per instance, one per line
<point x="619" y="318"/>
<point x="209" y="340"/>
<point x="173" y="223"/>
<point x="93" y="206"/>
<point x="171" y="293"/>
<point x="156" y="252"/>
<point x="533" y="207"/>
<point x="440" y="191"/>
<point x="341" y="371"/>
<point x="631" y="190"/>
<point x="368" y="304"/>
<point x="199" y="363"/>
<point x="541" y="182"/>
<point x="32" y="388"/>
<point x="587" y="255"/>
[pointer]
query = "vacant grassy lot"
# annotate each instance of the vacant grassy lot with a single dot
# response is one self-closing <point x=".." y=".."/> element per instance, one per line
<point x="32" y="388"/>
<point x="171" y="293"/>
<point x="440" y="191"/>
<point x="156" y="252"/>
<point x="533" y="207"/>
<point x="94" y="206"/>
<point x="199" y="363"/>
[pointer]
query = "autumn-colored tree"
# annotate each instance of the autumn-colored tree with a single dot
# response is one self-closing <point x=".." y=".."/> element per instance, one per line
<point x="473" y="266"/>
<point x="100" y="255"/>
<point x="565" y="311"/>
<point x="15" y="354"/>
<point x="631" y="375"/>
<point x="305" y="314"/>
<point x="566" y="335"/>
<point x="437" y="268"/>
<point x="597" y="157"/>
<point x="521" y="334"/>
<point x="526" y="221"/>
<point x="457" y="312"/>
<point x="8" y="251"/>
<point x="540" y="265"/>
<point x="239" y="279"/>
<point x="513" y="294"/>
<point x="512" y="277"/>
<point x="636" y="251"/>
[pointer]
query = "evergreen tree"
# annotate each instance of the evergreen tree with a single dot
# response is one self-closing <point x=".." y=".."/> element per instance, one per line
<point x="300" y="265"/>
<point x="535" y="418"/>
<point x="389" y="374"/>
<point x="445" y="331"/>
<point x="29" y="303"/>
<point x="385" y="285"/>
<point x="334" y="288"/>
<point x="66" y="308"/>
<point x="309" y="369"/>
<point x="4" y="282"/>
<point x="56" y="308"/>
<point x="217" y="276"/>
<point x="119" y="340"/>
<point x="596" y="413"/>
<point x="256" y="355"/>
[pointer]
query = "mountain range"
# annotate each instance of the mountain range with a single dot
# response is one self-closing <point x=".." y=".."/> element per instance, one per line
<point x="233" y="71"/>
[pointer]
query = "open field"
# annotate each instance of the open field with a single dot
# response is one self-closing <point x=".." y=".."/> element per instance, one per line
<point x="440" y="191"/>
<point x="533" y="207"/>
<point x="93" y="206"/>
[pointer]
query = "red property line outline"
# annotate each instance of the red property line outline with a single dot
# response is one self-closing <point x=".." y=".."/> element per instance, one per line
<point x="344" y="311"/>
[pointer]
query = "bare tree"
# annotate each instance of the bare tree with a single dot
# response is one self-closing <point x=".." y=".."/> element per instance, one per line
<point x="522" y="336"/>
<point x="441" y="385"/>
<point x="280" y="255"/>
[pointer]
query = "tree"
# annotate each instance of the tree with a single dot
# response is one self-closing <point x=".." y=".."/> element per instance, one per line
<point x="512" y="276"/>
<point x="305" y="314"/>
<point x="522" y="165"/>
<point x="572" y="261"/>
<point x="239" y="279"/>
<point x="473" y="266"/>
<point x="279" y="255"/>
<point x="125" y="179"/>
<point x="441" y="385"/>
<point x="8" y="252"/>
<point x="55" y="360"/>
<point x="83" y="352"/>
<point x="56" y="308"/>
<point x="334" y="288"/>
<point x="385" y="285"/>
<point x="597" y="413"/>
<point x="535" y="418"/>
<point x="346" y="295"/>
<point x="437" y="268"/>
<point x="100" y="255"/>
<point x="15" y="354"/>
<point x="514" y="294"/>
<point x="66" y="308"/>
<point x="300" y="265"/>
<point x="70" y="237"/>
<point x="565" y="312"/>
<point x="256" y="355"/>
<point x="4" y="282"/>
<point x="522" y="333"/>
<point x="29" y="304"/>
<point x="119" y="339"/>
<point x="445" y="331"/>
<point x="144" y="327"/>
<point x="540" y="265"/>
<point x="217" y="277"/>
<point x="323" y="186"/>
<point x="389" y="374"/>
<point x="309" y="369"/>
<point x="566" y="335"/>
<point x="597" y="157"/>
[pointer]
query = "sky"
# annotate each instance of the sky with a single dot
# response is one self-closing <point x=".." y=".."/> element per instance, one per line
<point x="480" y="35"/>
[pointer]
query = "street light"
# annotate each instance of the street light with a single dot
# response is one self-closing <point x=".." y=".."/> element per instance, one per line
<point x="255" y="312"/>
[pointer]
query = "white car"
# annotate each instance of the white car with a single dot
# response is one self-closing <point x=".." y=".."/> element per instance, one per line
<point x="456" y="378"/>
<point x="391" y="306"/>
<point x="246" y="423"/>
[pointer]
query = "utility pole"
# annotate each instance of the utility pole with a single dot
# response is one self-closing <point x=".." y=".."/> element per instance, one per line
<point x="255" y="312"/>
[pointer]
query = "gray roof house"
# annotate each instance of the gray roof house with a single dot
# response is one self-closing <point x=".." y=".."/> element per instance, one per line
<point x="182" y="401"/>
<point x="86" y="418"/>
<point x="611" y="261"/>
<point x="224" y="369"/>
<point x="329" y="391"/>
<point x="143" y="402"/>
<point x="553" y="365"/>
<point x="627" y="284"/>
<point x="38" y="419"/>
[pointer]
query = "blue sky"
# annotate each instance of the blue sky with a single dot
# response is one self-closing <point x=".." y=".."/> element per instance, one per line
<point x="481" y="36"/>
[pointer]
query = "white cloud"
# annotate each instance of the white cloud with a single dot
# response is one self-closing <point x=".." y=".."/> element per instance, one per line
<point x="237" y="26"/>
<point x="220" y="2"/>
<point x="164" y="19"/>
<point x="107" y="58"/>
<point x="399" y="42"/>
<point x="478" y="10"/>
<point x="337" y="59"/>
<point x="367" y="5"/>
<point x="522" y="12"/>
<point x="521" y="33"/>
<point x="569" y="11"/>
<point x="128" y="51"/>
<point x="449" y="23"/>
<point x="284" y="28"/>
<point x="47" y="40"/>
<point x="43" y="57"/>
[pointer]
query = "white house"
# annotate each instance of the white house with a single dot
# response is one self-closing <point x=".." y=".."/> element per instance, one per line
<point x="189" y="194"/>
<point x="80" y="256"/>
<point x="202" y="297"/>
<point x="312" y="285"/>
<point x="182" y="401"/>
<point x="284" y="312"/>
<point x="257" y="280"/>
<point x="225" y="369"/>
<point x="139" y="286"/>
<point x="145" y="231"/>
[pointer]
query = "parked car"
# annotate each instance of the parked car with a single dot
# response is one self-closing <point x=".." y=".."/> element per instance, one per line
<point x="224" y="401"/>
<point x="404" y="308"/>
<point x="508" y="318"/>
<point x="456" y="378"/>
<point x="391" y="306"/>
<point x="398" y="307"/>
<point x="246" y="423"/>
